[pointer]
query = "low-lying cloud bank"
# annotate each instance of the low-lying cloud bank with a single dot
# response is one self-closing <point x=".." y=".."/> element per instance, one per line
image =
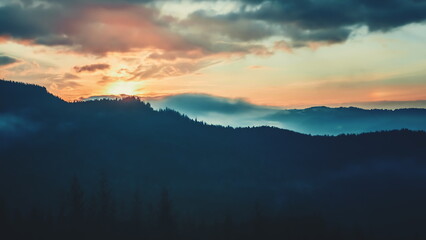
<point x="315" y="120"/>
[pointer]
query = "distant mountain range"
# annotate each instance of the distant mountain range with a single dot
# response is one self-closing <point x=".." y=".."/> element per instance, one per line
<point x="315" y="120"/>
<point x="374" y="180"/>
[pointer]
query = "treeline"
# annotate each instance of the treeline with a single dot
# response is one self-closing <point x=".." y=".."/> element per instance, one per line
<point x="99" y="215"/>
<point x="215" y="174"/>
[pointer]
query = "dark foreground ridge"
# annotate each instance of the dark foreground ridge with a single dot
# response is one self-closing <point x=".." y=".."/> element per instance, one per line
<point x="121" y="170"/>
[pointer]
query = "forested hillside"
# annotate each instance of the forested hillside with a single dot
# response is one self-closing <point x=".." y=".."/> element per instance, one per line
<point x="118" y="169"/>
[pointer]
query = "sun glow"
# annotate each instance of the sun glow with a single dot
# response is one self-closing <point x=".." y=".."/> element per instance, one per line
<point x="128" y="88"/>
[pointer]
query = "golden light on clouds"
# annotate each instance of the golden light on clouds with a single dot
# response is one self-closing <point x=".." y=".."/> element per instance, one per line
<point x="178" y="47"/>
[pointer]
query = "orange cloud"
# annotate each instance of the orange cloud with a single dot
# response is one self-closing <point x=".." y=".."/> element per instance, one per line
<point x="255" y="67"/>
<point x="102" y="29"/>
<point x="92" y="67"/>
<point x="283" y="46"/>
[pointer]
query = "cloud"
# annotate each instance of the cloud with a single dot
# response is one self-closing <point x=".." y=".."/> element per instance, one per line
<point x="123" y="28"/>
<point x="215" y="110"/>
<point x="27" y="23"/>
<point x="92" y="67"/>
<point x="239" y="29"/>
<point x="102" y="26"/>
<point x="307" y="22"/>
<point x="163" y="70"/>
<point x="256" y="67"/>
<point x="315" y="120"/>
<point x="174" y="46"/>
<point x="204" y="104"/>
<point x="80" y="2"/>
<point x="5" y="61"/>
<point x="90" y="27"/>
<point x="69" y="76"/>
<point x="283" y="46"/>
<point x="56" y="82"/>
<point x="327" y="14"/>
<point x="99" y="28"/>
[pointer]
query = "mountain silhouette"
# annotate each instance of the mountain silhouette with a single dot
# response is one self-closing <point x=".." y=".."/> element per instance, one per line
<point x="376" y="181"/>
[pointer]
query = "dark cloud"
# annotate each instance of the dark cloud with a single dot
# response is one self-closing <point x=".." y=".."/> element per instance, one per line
<point x="5" y="60"/>
<point x="54" y="40"/>
<point x="328" y="20"/>
<point x="326" y="14"/>
<point x="308" y="21"/>
<point x="26" y="23"/>
<point x="92" y="67"/>
<point x="239" y="29"/>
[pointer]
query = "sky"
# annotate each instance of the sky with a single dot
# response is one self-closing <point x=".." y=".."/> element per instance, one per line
<point x="286" y="53"/>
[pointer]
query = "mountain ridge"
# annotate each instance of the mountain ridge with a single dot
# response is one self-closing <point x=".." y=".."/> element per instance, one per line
<point x="209" y="169"/>
<point x="320" y="120"/>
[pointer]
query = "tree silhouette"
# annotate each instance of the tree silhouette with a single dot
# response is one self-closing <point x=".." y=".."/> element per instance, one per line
<point x="4" y="217"/>
<point x="77" y="201"/>
<point x="166" y="222"/>
<point x="76" y="215"/>
<point x="105" y="215"/>
<point x="136" y="208"/>
<point x="259" y="224"/>
<point x="228" y="228"/>
<point x="136" y="215"/>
